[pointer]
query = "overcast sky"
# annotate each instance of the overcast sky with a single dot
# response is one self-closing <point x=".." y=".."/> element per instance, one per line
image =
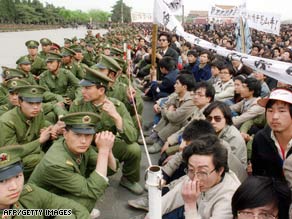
<point x="282" y="7"/>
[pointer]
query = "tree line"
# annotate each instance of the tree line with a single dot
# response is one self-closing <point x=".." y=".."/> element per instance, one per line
<point x="34" y="12"/>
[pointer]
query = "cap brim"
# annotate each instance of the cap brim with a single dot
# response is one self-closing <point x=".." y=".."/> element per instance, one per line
<point x="82" y="130"/>
<point x="11" y="171"/>
<point x="32" y="99"/>
<point x="24" y="63"/>
<point x="86" y="83"/>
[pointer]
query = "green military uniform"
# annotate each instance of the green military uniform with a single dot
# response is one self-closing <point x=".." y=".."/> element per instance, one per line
<point x="11" y="85"/>
<point x="73" y="66"/>
<point x="70" y="175"/>
<point x="125" y="148"/>
<point x="17" y="129"/>
<point x="28" y="76"/>
<point x="44" y="42"/>
<point x="38" y="65"/>
<point x="33" y="197"/>
<point x="8" y="74"/>
<point x="119" y="90"/>
<point x="62" y="84"/>
<point x="89" y="56"/>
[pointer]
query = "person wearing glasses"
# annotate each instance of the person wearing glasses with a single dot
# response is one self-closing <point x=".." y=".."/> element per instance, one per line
<point x="225" y="86"/>
<point x="219" y="115"/>
<point x="262" y="198"/>
<point x="207" y="190"/>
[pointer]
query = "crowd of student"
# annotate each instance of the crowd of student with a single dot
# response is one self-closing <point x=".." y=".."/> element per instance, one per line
<point x="224" y="130"/>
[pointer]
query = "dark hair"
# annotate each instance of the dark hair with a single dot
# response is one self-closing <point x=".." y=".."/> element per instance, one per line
<point x="210" y="90"/>
<point x="167" y="62"/>
<point x="257" y="191"/>
<point x="188" y="44"/>
<point x="167" y="35"/>
<point x="196" y="129"/>
<point x="240" y="77"/>
<point x="253" y="85"/>
<point x="187" y="80"/>
<point x="217" y="63"/>
<point x="270" y="103"/>
<point x="228" y="67"/>
<point x="208" y="145"/>
<point x="209" y="54"/>
<point x="193" y="53"/>
<point x="185" y="71"/>
<point x="224" y="108"/>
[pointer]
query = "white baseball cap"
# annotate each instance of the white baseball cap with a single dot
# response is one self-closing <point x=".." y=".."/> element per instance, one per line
<point x="277" y="94"/>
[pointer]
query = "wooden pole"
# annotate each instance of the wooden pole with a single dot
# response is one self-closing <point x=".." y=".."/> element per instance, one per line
<point x="154" y="45"/>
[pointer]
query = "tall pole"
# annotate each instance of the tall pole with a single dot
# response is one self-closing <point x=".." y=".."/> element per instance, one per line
<point x="122" y="12"/>
<point x="183" y="15"/>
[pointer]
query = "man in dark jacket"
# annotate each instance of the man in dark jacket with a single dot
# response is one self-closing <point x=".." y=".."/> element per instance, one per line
<point x="272" y="145"/>
<point x="163" y="88"/>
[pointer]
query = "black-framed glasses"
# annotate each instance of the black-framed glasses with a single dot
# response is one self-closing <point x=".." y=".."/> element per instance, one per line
<point x="216" y="118"/>
<point x="251" y="215"/>
<point x="202" y="175"/>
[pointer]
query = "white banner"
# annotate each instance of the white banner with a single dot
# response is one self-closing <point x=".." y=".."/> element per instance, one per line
<point x="141" y="17"/>
<point x="224" y="13"/>
<point x="281" y="71"/>
<point x="266" y="22"/>
<point x="173" y="5"/>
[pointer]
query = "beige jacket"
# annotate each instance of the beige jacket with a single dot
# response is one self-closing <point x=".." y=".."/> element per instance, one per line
<point x="224" y="92"/>
<point x="213" y="204"/>
<point x="251" y="111"/>
<point x="172" y="121"/>
<point x="232" y="136"/>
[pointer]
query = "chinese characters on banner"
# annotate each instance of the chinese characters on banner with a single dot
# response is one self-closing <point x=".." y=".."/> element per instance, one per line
<point x="141" y="17"/>
<point x="281" y="71"/>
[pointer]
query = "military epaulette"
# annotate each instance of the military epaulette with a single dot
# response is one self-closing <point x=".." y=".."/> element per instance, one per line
<point x="28" y="188"/>
<point x="115" y="101"/>
<point x="69" y="162"/>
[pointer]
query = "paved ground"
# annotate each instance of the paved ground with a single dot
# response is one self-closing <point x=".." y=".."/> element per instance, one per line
<point x="113" y="205"/>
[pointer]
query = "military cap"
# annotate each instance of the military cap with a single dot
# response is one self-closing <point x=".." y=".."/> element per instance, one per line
<point x="31" y="93"/>
<point x="23" y="60"/>
<point x="32" y="44"/>
<point x="14" y="83"/>
<point x="81" y="40"/>
<point x="45" y="41"/>
<point x="99" y="66"/>
<point x="67" y="52"/>
<point x="74" y="39"/>
<point x="122" y="63"/>
<point x="89" y="44"/>
<point x="52" y="56"/>
<point x="9" y="73"/>
<point x="66" y="40"/>
<point x="94" y="77"/>
<point x="110" y="63"/>
<point x="76" y="48"/>
<point x="107" y="46"/>
<point x="81" y="122"/>
<point x="116" y="51"/>
<point x="10" y="161"/>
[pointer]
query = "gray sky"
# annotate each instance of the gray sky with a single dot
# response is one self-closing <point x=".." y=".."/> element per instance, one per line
<point x="282" y="7"/>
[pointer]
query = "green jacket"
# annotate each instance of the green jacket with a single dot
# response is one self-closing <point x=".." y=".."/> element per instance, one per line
<point x="60" y="85"/>
<point x="119" y="91"/>
<point x="33" y="197"/>
<point x="38" y="65"/>
<point x="89" y="58"/>
<point x="129" y="133"/>
<point x="16" y="129"/>
<point x="3" y="94"/>
<point x="75" y="68"/>
<point x="63" y="173"/>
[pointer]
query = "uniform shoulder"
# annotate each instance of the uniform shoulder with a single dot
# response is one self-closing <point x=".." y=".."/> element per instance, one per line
<point x="78" y="102"/>
<point x="115" y="101"/>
